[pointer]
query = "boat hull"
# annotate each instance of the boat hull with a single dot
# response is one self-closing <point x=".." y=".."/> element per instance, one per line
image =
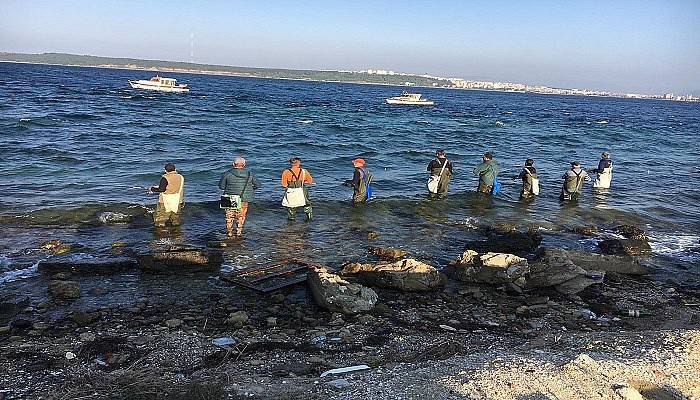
<point x="147" y="85"/>
<point x="411" y="102"/>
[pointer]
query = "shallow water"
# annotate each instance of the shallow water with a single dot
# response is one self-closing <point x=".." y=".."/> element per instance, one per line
<point x="77" y="145"/>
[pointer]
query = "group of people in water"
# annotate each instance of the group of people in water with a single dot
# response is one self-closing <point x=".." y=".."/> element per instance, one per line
<point x="239" y="185"/>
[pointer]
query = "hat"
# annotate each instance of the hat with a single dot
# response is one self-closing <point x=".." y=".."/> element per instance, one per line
<point x="358" y="162"/>
<point x="170" y="167"/>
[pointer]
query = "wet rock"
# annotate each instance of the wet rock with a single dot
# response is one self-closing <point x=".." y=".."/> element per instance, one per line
<point x="56" y="246"/>
<point x="237" y="319"/>
<point x="629" y="247"/>
<point x="10" y="306"/>
<point x="173" y="323"/>
<point x="492" y="268"/>
<point x="87" y="337"/>
<point x="86" y="265"/>
<point x="631" y="232"/>
<point x="21" y="323"/>
<point x="406" y="275"/>
<point x="388" y="253"/>
<point x="600" y="262"/>
<point x="83" y="318"/>
<point x="585" y="230"/>
<point x="65" y="290"/>
<point x="507" y="241"/>
<point x="332" y="292"/>
<point x="174" y="258"/>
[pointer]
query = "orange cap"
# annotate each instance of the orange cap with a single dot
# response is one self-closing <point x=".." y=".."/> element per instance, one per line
<point x="358" y="161"/>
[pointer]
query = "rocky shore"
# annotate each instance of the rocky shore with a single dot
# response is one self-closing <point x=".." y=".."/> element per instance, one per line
<point x="506" y="319"/>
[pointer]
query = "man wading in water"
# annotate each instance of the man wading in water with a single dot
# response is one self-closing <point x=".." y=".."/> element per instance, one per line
<point x="573" y="182"/>
<point x="361" y="182"/>
<point x="603" y="172"/>
<point x="487" y="172"/>
<point x="172" y="189"/>
<point x="531" y="184"/>
<point x="238" y="186"/>
<point x="296" y="193"/>
<point x="440" y="174"/>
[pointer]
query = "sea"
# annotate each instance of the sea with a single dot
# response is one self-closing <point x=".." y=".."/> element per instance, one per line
<point x="78" y="147"/>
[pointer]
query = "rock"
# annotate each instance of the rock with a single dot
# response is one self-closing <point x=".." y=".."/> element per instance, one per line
<point x="493" y="268"/>
<point x="21" y="323"/>
<point x="65" y="290"/>
<point x="40" y="326"/>
<point x="332" y="292"/>
<point x="585" y="230"/>
<point x="534" y="300"/>
<point x="278" y="298"/>
<point x="507" y="241"/>
<point x="83" y="318"/>
<point x="579" y="283"/>
<point x="86" y="265"/>
<point x="316" y="360"/>
<point x="406" y="275"/>
<point x="551" y="269"/>
<point x="271" y="322"/>
<point x="61" y="276"/>
<point x="5" y="329"/>
<point x="599" y="262"/>
<point x="87" y="337"/>
<point x="388" y="253"/>
<point x="70" y="355"/>
<point x="629" y="247"/>
<point x="339" y="383"/>
<point x="174" y="258"/>
<point x="628" y="393"/>
<point x="56" y="247"/>
<point x="237" y="319"/>
<point x="173" y="323"/>
<point x="631" y="232"/>
<point x="10" y="306"/>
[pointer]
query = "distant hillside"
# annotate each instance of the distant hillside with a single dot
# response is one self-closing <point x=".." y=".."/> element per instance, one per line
<point x="176" y="66"/>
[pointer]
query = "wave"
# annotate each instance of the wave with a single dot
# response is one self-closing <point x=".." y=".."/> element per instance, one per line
<point x="17" y="274"/>
<point x="685" y="247"/>
<point x="305" y="121"/>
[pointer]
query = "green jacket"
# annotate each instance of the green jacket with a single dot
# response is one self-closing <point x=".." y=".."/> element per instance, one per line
<point x="487" y="171"/>
<point x="234" y="180"/>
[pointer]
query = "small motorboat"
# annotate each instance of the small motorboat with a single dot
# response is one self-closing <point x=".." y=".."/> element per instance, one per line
<point x="409" y="98"/>
<point x="160" y="84"/>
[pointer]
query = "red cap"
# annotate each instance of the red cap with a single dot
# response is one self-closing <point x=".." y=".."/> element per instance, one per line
<point x="359" y="161"/>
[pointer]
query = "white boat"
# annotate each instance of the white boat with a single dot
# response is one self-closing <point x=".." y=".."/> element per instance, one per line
<point x="409" y="98"/>
<point x="160" y="84"/>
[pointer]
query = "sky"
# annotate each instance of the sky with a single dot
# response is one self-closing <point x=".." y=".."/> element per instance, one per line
<point x="631" y="46"/>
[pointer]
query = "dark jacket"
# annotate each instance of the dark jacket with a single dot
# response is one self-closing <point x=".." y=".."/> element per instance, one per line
<point x="234" y="180"/>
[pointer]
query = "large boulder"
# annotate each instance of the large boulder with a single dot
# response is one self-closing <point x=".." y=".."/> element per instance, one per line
<point x="631" y="232"/>
<point x="408" y="275"/>
<point x="493" y="268"/>
<point x="599" y="262"/>
<point x="175" y="258"/>
<point x="559" y="268"/>
<point x="332" y="292"/>
<point x="85" y="264"/>
<point x="64" y="290"/>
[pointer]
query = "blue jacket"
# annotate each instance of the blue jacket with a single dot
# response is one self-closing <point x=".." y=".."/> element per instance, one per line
<point x="234" y="180"/>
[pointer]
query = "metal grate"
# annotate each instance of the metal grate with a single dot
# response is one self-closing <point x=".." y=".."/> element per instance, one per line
<point x="271" y="277"/>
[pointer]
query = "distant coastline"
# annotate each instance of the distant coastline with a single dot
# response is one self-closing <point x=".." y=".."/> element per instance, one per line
<point x="374" y="77"/>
